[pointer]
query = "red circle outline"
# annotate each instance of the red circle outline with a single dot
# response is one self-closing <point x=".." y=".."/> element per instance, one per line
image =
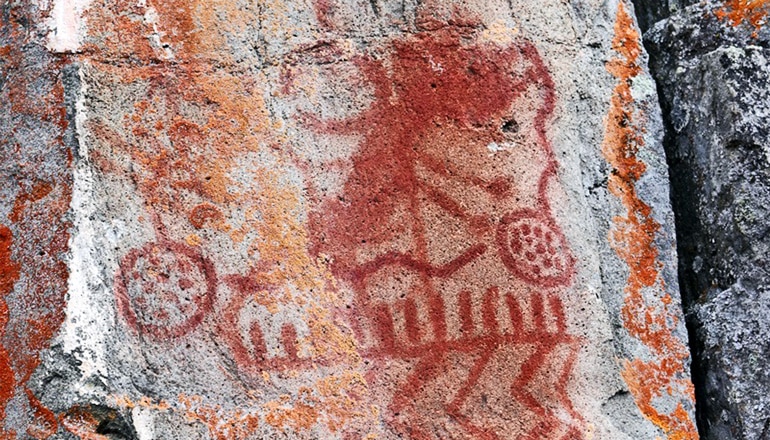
<point x="205" y="303"/>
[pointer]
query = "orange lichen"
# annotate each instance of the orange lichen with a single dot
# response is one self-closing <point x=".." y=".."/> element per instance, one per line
<point x="299" y="416"/>
<point x="332" y="401"/>
<point x="144" y="402"/>
<point x="340" y="401"/>
<point x="207" y="161"/>
<point x="38" y="243"/>
<point x="42" y="250"/>
<point x="222" y="425"/>
<point x="34" y="241"/>
<point x="634" y="241"/>
<point x="738" y="12"/>
<point x="328" y="341"/>
<point x="36" y="250"/>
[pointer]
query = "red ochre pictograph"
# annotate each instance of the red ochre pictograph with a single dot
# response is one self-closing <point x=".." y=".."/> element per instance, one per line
<point x="533" y="248"/>
<point x="444" y="232"/>
<point x="165" y="289"/>
<point x="246" y="326"/>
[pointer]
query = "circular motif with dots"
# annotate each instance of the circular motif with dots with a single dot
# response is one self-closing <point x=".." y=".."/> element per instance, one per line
<point x="534" y="249"/>
<point x="164" y="290"/>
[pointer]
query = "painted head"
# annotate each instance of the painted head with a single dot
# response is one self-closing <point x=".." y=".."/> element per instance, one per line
<point x="456" y="117"/>
<point x="442" y="232"/>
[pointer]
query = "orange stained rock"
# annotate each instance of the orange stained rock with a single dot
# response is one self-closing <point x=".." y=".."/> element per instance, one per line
<point x="222" y="424"/>
<point x="299" y="416"/>
<point x="338" y="396"/>
<point x="331" y="402"/>
<point x="9" y="273"/>
<point x="633" y="238"/>
<point x="738" y="12"/>
<point x="144" y="402"/>
<point x="40" y="190"/>
<point x="201" y="155"/>
<point x="280" y="244"/>
<point x="184" y="32"/>
<point x="183" y="164"/>
<point x="35" y="239"/>
<point x="36" y="252"/>
<point x="235" y="425"/>
<point x="80" y="422"/>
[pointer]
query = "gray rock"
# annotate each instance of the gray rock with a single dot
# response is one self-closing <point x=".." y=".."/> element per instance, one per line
<point x="649" y="12"/>
<point x="716" y="99"/>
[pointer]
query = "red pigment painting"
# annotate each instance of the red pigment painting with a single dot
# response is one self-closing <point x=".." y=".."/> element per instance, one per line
<point x="165" y="289"/>
<point x="246" y="326"/>
<point x="444" y="232"/>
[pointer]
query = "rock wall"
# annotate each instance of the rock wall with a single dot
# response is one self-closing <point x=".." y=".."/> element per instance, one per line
<point x="340" y="219"/>
<point x="711" y="63"/>
<point x="36" y="160"/>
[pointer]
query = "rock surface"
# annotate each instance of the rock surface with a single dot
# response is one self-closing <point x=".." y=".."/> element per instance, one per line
<point x="345" y="219"/>
<point x="713" y="73"/>
<point x="36" y="169"/>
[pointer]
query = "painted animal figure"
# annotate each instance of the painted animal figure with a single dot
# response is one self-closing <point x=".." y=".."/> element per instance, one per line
<point x="444" y="232"/>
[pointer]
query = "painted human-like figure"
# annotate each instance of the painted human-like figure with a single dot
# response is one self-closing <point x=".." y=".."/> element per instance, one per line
<point x="444" y="233"/>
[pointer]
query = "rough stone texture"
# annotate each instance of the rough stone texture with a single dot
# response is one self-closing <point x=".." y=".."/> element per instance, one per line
<point x="35" y="167"/>
<point x="360" y="219"/>
<point x="713" y="73"/>
<point x="649" y="12"/>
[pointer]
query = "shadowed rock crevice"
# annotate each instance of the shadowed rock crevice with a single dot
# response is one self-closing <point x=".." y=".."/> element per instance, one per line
<point x="649" y="12"/>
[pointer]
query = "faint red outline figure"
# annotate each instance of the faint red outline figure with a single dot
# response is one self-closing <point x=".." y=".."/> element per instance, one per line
<point x="170" y="270"/>
<point x="251" y="354"/>
<point x="148" y="286"/>
<point x="432" y="83"/>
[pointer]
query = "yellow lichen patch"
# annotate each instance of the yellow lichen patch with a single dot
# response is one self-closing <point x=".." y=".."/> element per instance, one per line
<point x="738" y="12"/>
<point x="328" y="341"/>
<point x="633" y="237"/>
<point x="500" y="33"/>
<point x="193" y="240"/>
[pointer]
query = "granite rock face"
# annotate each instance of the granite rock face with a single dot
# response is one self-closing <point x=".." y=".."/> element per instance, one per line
<point x="348" y="219"/>
<point x="713" y="73"/>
